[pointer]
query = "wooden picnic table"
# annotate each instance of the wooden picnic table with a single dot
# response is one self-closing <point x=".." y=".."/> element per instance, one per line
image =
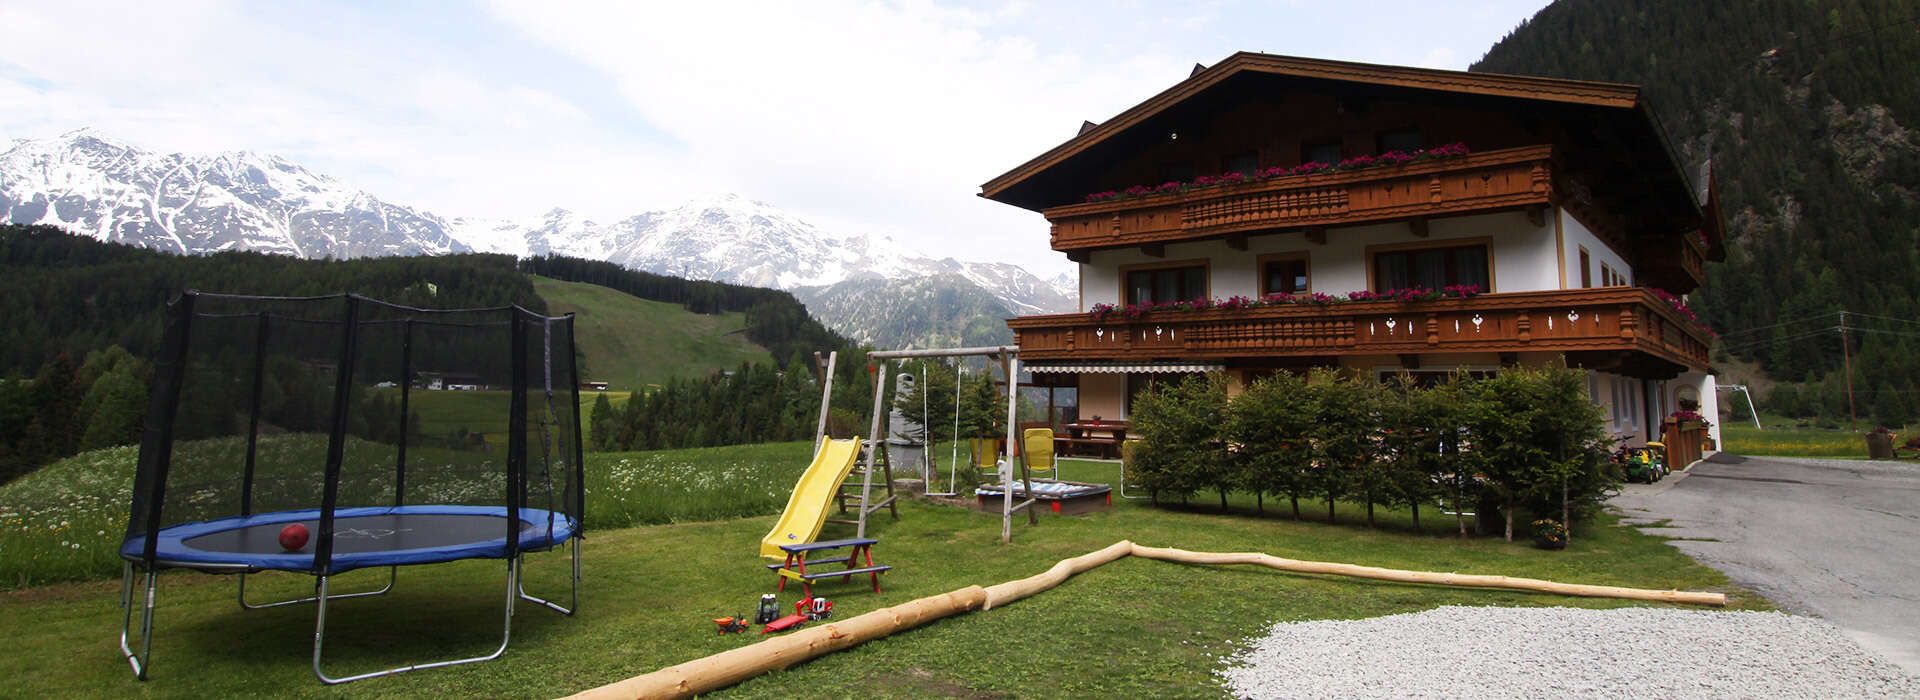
<point x="1103" y="437"/>
<point x="859" y="560"/>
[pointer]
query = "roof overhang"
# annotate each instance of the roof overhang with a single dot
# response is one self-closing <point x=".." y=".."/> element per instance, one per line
<point x="1551" y="90"/>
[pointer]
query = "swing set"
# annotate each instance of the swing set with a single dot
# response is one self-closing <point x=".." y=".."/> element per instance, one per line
<point x="874" y="458"/>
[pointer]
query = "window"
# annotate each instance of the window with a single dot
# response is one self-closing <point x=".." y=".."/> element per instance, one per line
<point x="1586" y="269"/>
<point x="1163" y="284"/>
<point x="1138" y="384"/>
<point x="1431" y="268"/>
<point x="1176" y="172"/>
<point x="1322" y="152"/>
<point x="1606" y="275"/>
<point x="1401" y="140"/>
<point x="1283" y="275"/>
<point x="1243" y="163"/>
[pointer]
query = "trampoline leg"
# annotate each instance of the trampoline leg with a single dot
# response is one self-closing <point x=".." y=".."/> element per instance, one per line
<point x="138" y="661"/>
<point x="320" y="633"/>
<point x="574" y="602"/>
<point x="393" y="575"/>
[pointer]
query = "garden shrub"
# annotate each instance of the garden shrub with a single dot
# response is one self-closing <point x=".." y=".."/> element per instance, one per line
<point x="1183" y="451"/>
<point x="1267" y="424"/>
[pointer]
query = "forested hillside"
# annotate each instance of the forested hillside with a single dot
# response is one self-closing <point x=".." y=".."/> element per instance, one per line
<point x="1808" y="110"/>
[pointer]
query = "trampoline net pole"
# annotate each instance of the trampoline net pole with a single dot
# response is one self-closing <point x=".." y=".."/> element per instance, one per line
<point x="156" y="445"/>
<point x="516" y="433"/>
<point x="406" y="413"/>
<point x="253" y="411"/>
<point x="337" y="436"/>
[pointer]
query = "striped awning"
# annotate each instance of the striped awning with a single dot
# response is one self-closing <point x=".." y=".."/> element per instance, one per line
<point x="1143" y="368"/>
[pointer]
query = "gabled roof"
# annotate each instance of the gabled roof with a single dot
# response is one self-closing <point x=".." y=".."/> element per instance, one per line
<point x="1552" y="90"/>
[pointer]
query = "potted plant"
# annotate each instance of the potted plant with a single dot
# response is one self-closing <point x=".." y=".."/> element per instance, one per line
<point x="1549" y="534"/>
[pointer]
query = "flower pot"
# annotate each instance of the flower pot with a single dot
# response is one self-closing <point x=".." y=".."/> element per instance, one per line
<point x="1692" y="425"/>
<point x="1545" y="542"/>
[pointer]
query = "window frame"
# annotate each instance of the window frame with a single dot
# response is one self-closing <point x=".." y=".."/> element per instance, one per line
<point x="1206" y="276"/>
<point x="1305" y="258"/>
<point x="1486" y="242"/>
<point x="1586" y="268"/>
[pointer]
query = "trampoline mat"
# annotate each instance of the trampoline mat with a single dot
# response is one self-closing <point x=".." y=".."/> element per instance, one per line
<point x="366" y="533"/>
<point x="362" y="537"/>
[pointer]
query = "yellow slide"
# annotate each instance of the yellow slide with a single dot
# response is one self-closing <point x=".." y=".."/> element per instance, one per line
<point x="807" y="508"/>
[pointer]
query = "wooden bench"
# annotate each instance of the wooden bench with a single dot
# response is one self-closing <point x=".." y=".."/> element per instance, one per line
<point x="859" y="560"/>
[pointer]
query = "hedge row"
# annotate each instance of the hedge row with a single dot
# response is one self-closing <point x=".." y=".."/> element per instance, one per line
<point x="1522" y="439"/>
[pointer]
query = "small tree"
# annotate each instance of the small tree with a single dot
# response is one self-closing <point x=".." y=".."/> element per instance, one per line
<point x="1180" y="426"/>
<point x="1269" y="424"/>
<point x="934" y="394"/>
<point x="1412" y="425"/>
<point x="1500" y="417"/>
<point x="1343" y="434"/>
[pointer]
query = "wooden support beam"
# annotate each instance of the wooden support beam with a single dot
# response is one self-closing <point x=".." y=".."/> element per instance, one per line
<point x="1418" y="227"/>
<point x="1080" y="256"/>
<point x="1317" y="235"/>
<point x="1237" y="241"/>
<point x="1409" y="361"/>
<point x="1154" y="250"/>
<point x="1537" y="215"/>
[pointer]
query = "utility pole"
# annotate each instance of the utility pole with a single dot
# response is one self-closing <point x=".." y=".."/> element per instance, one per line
<point x="1846" y="357"/>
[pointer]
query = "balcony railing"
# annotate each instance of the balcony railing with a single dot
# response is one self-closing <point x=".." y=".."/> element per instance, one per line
<point x="1605" y="322"/>
<point x="1503" y="179"/>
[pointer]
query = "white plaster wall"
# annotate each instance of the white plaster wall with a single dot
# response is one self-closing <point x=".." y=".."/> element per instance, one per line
<point x="1578" y="236"/>
<point x="1523" y="257"/>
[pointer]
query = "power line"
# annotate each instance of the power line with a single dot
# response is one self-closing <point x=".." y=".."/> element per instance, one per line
<point x="1882" y="318"/>
<point x="1802" y="319"/>
<point x="1763" y="342"/>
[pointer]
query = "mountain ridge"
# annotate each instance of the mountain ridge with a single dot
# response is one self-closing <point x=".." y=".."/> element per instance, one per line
<point x="91" y="184"/>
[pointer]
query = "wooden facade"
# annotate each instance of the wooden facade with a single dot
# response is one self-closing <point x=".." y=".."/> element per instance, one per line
<point x="1557" y="150"/>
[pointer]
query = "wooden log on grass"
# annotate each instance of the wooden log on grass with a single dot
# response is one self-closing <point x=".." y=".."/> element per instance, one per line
<point x="1427" y="577"/>
<point x="705" y="675"/>
<point x="729" y="667"/>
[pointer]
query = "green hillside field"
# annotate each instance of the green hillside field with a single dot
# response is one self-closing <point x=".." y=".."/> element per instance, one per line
<point x="630" y="342"/>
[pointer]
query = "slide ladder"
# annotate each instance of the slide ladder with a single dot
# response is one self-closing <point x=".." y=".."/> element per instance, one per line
<point x="806" y="509"/>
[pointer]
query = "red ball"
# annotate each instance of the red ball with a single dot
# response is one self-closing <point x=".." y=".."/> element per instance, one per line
<point x="293" y="537"/>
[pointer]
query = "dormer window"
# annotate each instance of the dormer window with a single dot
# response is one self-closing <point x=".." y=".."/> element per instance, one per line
<point x="1408" y="140"/>
<point x="1327" y="152"/>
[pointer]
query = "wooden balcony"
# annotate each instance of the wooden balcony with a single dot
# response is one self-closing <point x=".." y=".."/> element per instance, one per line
<point x="1624" y="329"/>
<point x="1494" y="180"/>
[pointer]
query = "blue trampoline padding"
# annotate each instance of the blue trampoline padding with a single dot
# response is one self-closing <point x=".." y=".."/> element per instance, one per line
<point x="476" y="532"/>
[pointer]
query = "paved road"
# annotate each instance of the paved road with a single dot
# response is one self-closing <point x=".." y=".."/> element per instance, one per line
<point x="1835" y="538"/>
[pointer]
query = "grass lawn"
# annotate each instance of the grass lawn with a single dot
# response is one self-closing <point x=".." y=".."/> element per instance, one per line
<point x="1131" y="628"/>
<point x="632" y="342"/>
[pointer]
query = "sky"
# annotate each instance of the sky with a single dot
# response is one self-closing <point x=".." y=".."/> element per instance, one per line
<point x="874" y="118"/>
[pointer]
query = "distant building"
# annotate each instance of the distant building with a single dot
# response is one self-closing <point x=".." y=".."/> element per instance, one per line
<point x="594" y="386"/>
<point x="1266" y="179"/>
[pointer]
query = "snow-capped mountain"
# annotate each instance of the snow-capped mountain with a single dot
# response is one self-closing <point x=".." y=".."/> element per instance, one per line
<point x="870" y="288"/>
<point x="93" y="185"/>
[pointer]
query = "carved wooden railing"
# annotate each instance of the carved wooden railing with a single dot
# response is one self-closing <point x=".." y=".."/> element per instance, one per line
<point x="1503" y="179"/>
<point x="1607" y="319"/>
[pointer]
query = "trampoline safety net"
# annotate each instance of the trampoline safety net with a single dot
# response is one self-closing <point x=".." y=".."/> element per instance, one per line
<point x="270" y="410"/>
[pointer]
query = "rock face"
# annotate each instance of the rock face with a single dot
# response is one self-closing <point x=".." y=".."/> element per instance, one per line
<point x="869" y="288"/>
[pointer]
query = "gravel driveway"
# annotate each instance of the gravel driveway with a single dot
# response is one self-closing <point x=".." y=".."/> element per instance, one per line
<point x="1472" y="652"/>
<point x="1839" y="539"/>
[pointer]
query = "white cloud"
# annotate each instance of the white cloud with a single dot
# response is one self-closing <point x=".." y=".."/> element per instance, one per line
<point x="864" y="117"/>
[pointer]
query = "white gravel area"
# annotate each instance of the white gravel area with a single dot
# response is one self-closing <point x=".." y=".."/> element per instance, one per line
<point x="1479" y="652"/>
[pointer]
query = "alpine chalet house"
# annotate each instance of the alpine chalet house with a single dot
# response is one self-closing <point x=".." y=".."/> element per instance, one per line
<point x="1274" y="213"/>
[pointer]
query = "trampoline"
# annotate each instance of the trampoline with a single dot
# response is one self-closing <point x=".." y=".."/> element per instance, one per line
<point x="362" y="537"/>
<point x="1061" y="497"/>
<point x="339" y="413"/>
